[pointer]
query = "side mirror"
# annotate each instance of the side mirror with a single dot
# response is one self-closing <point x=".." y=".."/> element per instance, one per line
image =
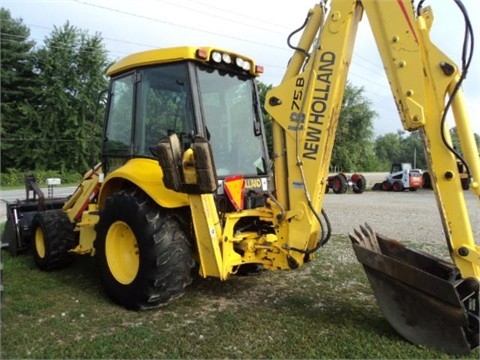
<point x="169" y="156"/>
<point x="193" y="172"/>
<point x="204" y="165"/>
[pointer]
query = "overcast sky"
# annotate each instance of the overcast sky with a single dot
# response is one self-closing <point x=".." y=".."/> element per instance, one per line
<point x="258" y="29"/>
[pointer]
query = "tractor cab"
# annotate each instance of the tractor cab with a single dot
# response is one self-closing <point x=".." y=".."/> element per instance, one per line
<point x="190" y="92"/>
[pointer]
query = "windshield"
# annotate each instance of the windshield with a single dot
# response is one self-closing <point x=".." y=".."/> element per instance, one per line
<point x="231" y="123"/>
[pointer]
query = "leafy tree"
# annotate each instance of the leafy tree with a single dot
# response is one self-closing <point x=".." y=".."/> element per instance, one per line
<point x="456" y="140"/>
<point x="396" y="147"/>
<point x="71" y="69"/>
<point x="412" y="150"/>
<point x="18" y="91"/>
<point x="354" y="145"/>
<point x="267" y="119"/>
<point x="354" y="148"/>
<point x="388" y="149"/>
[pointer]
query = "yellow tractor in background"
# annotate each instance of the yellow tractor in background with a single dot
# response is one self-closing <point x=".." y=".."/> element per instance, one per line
<point x="185" y="181"/>
<point x="462" y="171"/>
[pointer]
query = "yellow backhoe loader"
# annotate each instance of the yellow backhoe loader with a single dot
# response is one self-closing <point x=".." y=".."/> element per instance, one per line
<point x="185" y="180"/>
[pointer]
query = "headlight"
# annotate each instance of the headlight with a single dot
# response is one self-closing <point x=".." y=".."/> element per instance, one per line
<point x="246" y="66"/>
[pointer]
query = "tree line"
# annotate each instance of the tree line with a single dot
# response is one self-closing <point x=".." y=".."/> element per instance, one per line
<point x="356" y="148"/>
<point x="51" y="116"/>
<point x="49" y="97"/>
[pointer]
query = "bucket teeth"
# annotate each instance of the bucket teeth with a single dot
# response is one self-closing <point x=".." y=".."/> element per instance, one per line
<point x="366" y="237"/>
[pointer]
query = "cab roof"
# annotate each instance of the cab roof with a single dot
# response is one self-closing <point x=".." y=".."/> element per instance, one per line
<point x="175" y="54"/>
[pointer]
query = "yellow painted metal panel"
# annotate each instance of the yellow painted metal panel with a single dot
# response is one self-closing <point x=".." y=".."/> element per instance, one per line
<point x="208" y="235"/>
<point x="147" y="175"/>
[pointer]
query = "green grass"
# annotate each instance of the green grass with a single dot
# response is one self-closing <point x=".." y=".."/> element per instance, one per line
<point x="323" y="310"/>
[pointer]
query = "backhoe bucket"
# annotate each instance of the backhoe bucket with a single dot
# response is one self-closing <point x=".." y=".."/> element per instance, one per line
<point x="423" y="297"/>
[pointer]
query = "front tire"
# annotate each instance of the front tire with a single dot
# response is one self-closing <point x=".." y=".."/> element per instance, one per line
<point x="144" y="255"/>
<point x="339" y="184"/>
<point x="386" y="185"/>
<point x="53" y="237"/>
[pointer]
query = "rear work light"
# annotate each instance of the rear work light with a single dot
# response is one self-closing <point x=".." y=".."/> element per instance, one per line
<point x="217" y="57"/>
<point x="226" y="58"/>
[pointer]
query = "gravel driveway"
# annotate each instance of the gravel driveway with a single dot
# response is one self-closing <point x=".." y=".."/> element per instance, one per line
<point x="405" y="216"/>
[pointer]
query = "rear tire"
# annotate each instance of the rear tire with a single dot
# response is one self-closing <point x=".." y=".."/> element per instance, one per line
<point x="426" y="180"/>
<point x="397" y="186"/>
<point x="465" y="183"/>
<point x="360" y="184"/>
<point x="144" y="256"/>
<point x="53" y="237"/>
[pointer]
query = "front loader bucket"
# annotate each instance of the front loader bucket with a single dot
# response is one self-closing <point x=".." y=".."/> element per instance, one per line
<point x="423" y="297"/>
<point x="20" y="213"/>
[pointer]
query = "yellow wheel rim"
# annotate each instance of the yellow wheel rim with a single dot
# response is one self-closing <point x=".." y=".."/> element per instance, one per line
<point x="40" y="242"/>
<point x="121" y="251"/>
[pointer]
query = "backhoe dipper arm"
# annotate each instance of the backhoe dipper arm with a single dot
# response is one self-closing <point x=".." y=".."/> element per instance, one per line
<point x="421" y="77"/>
<point x="306" y="108"/>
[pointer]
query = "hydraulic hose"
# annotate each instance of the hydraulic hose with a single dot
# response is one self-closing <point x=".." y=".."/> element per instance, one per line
<point x="467" y="55"/>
